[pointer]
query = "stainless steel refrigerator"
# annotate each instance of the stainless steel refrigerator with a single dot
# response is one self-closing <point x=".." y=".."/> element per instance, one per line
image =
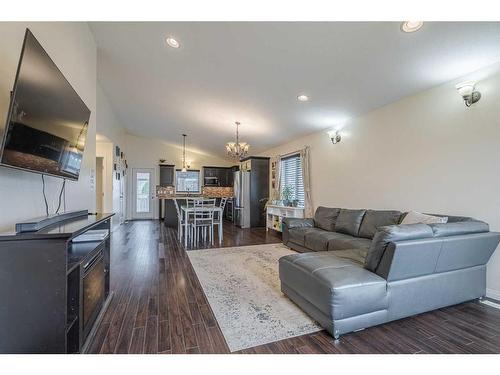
<point x="251" y="191"/>
<point x="242" y="198"/>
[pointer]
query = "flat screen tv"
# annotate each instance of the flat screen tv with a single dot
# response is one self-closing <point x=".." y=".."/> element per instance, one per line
<point x="47" y="123"/>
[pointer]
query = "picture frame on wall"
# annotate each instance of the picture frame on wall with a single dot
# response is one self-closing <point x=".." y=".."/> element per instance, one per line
<point x="117" y="151"/>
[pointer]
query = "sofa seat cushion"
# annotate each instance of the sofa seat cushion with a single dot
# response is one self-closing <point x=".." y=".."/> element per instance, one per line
<point x="344" y="242"/>
<point x="325" y="218"/>
<point x="297" y="235"/>
<point x="349" y="221"/>
<point x="317" y="239"/>
<point x="374" y="219"/>
<point x="337" y="287"/>
<point x="392" y="233"/>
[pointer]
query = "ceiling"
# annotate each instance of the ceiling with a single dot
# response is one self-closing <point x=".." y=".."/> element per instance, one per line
<point x="252" y="72"/>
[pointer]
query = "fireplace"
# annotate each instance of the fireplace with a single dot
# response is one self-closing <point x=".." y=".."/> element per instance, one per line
<point x="93" y="286"/>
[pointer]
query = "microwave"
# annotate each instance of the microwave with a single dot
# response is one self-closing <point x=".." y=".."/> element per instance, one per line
<point x="211" y="181"/>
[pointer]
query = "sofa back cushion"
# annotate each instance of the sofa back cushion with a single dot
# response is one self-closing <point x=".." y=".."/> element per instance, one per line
<point x="393" y="233"/>
<point x="459" y="228"/>
<point x="349" y="221"/>
<point x="374" y="219"/>
<point x="326" y="217"/>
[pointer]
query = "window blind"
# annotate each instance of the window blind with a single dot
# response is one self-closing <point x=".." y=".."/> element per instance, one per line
<point x="291" y="175"/>
<point x="187" y="182"/>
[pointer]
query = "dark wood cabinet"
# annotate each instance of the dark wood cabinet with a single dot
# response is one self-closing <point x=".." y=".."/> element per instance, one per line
<point x="53" y="289"/>
<point x="209" y="171"/>
<point x="167" y="175"/>
<point x="223" y="175"/>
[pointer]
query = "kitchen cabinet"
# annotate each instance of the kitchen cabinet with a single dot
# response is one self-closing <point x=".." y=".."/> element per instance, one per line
<point x="224" y="175"/>
<point x="209" y="171"/>
<point x="167" y="174"/>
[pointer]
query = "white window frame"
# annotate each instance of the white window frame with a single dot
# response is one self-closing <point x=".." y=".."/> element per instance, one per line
<point x="286" y="175"/>
<point x="178" y="171"/>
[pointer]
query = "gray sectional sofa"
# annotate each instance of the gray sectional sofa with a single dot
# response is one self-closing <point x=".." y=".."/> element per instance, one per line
<point x="360" y="268"/>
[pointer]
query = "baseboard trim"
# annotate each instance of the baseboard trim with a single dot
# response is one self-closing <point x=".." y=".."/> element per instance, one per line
<point x="494" y="294"/>
<point x="490" y="303"/>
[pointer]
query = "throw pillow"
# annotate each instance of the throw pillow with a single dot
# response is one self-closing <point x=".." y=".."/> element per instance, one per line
<point x="414" y="217"/>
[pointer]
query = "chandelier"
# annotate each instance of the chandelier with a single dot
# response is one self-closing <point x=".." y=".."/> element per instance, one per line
<point x="237" y="150"/>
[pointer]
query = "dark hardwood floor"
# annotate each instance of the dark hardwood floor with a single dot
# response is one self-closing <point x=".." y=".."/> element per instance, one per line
<point x="159" y="307"/>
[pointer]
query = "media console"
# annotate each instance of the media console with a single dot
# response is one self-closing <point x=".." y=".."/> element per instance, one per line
<point x="53" y="289"/>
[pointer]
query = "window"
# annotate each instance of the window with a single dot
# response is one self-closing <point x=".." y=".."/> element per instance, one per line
<point x="142" y="192"/>
<point x="291" y="177"/>
<point x="187" y="182"/>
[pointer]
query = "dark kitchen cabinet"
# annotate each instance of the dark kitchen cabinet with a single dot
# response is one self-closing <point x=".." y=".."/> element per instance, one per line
<point x="228" y="174"/>
<point x="167" y="173"/>
<point x="224" y="175"/>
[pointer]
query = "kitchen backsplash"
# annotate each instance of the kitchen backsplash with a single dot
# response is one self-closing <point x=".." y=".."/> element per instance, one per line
<point x="217" y="192"/>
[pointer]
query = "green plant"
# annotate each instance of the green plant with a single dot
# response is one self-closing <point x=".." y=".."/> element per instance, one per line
<point x="287" y="193"/>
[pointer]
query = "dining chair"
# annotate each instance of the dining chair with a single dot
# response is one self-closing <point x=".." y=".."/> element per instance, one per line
<point x="181" y="221"/>
<point x="203" y="220"/>
<point x="222" y="205"/>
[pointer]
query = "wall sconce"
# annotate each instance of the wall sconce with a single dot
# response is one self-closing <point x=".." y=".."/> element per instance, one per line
<point x="468" y="93"/>
<point x="334" y="136"/>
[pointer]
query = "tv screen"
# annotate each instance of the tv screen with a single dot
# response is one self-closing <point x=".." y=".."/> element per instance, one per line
<point x="47" y="122"/>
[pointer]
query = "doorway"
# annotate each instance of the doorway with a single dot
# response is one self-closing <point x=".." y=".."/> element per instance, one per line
<point x="99" y="184"/>
<point x="142" y="193"/>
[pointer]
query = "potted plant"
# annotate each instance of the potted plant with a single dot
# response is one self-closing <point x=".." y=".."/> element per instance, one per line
<point x="287" y="195"/>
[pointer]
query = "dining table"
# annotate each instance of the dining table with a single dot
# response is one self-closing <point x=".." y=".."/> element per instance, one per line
<point x="186" y="210"/>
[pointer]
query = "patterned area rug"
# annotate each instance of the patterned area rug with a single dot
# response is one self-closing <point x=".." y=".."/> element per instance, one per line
<point x="243" y="288"/>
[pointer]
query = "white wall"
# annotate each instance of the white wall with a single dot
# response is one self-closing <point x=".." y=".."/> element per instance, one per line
<point x="427" y="152"/>
<point x="109" y="135"/>
<point x="147" y="152"/>
<point x="72" y="47"/>
<point x="109" y="128"/>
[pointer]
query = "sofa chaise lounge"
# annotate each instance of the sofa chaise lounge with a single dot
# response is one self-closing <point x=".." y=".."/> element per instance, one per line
<point x="360" y="268"/>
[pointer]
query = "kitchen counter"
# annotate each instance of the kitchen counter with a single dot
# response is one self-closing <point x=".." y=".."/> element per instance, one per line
<point x="178" y="196"/>
<point x="168" y="192"/>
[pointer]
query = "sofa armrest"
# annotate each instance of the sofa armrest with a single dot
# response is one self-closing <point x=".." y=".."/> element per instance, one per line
<point x="413" y="258"/>
<point x="291" y="223"/>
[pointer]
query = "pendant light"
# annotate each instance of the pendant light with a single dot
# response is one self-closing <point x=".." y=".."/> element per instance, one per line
<point x="236" y="149"/>
<point x="184" y="169"/>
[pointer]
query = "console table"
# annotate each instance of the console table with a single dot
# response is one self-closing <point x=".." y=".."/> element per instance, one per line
<point x="53" y="289"/>
<point x="275" y="215"/>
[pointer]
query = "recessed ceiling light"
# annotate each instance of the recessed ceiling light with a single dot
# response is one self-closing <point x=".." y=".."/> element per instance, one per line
<point x="302" y="98"/>
<point x="411" y="26"/>
<point x="173" y="42"/>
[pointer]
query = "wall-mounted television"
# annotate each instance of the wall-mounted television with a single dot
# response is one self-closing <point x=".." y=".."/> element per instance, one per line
<point x="47" y="123"/>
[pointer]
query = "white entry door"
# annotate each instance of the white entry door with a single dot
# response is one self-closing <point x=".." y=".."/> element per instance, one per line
<point x="143" y="193"/>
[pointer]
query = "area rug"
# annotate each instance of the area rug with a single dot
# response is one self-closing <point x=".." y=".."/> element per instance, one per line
<point x="243" y="289"/>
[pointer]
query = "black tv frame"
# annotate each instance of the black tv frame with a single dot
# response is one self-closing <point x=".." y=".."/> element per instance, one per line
<point x="11" y="104"/>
